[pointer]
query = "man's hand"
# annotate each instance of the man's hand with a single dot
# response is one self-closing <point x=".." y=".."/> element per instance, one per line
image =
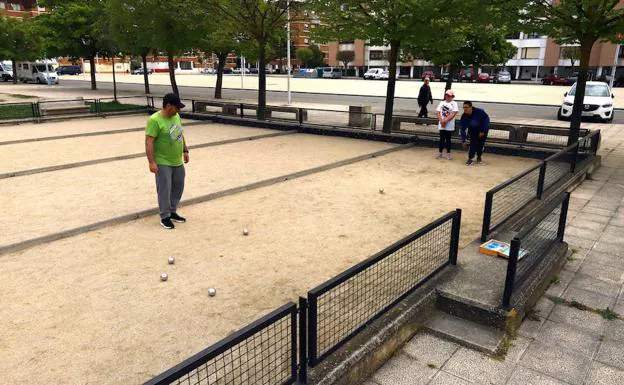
<point x="153" y="168"/>
<point x="186" y="157"/>
<point x="465" y="146"/>
<point x="482" y="135"/>
<point x="443" y="124"/>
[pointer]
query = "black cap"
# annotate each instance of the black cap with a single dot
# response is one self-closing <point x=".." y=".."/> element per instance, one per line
<point x="173" y="99"/>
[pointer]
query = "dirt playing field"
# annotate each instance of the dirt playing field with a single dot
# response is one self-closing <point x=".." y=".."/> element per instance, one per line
<point x="91" y="308"/>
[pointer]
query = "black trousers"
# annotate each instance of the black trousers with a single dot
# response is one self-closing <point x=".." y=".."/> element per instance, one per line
<point x="445" y="140"/>
<point x="476" y="144"/>
<point x="423" y="111"/>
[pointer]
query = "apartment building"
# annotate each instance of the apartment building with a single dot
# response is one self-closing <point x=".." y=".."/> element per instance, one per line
<point x="19" y="8"/>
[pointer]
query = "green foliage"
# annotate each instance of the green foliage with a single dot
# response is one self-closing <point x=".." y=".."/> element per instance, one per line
<point x="310" y="57"/>
<point x="20" y="39"/>
<point x="572" y="53"/>
<point x="130" y="25"/>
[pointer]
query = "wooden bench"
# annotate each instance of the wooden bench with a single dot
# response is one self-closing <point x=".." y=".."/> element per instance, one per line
<point x="301" y="114"/>
<point x="227" y="108"/>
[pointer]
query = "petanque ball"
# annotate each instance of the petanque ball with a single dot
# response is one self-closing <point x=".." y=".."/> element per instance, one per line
<point x="381" y="190"/>
<point x="171" y="260"/>
<point x="245" y="232"/>
<point x="212" y="292"/>
<point x="163" y="276"/>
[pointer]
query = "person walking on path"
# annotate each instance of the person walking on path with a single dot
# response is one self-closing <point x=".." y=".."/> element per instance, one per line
<point x="447" y="109"/>
<point x="166" y="149"/>
<point x="424" y="97"/>
<point x="477" y="121"/>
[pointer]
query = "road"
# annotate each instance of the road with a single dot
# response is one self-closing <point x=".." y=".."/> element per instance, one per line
<point x="402" y="104"/>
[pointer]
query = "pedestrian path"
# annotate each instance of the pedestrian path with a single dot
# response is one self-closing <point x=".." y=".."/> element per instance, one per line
<point x="575" y="335"/>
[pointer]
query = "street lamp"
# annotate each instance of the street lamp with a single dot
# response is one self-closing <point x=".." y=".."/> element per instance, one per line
<point x="288" y="51"/>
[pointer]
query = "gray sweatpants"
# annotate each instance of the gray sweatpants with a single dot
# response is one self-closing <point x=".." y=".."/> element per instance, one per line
<point x="169" y="187"/>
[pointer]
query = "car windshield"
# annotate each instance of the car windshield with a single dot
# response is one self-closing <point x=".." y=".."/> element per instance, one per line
<point x="8" y="67"/>
<point x="42" y="68"/>
<point x="503" y="74"/>
<point x="593" y="90"/>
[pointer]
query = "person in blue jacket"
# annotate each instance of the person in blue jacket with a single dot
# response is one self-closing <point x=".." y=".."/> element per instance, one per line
<point x="478" y="123"/>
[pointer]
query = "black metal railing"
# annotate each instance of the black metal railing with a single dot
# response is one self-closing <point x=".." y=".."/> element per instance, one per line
<point x="265" y="352"/>
<point x="343" y="306"/>
<point x="510" y="197"/>
<point x="530" y="247"/>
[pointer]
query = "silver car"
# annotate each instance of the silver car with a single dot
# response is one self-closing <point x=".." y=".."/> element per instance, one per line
<point x="503" y="77"/>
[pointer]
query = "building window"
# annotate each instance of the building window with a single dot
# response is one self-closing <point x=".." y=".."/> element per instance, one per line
<point x="2" y="5"/>
<point x="17" y="7"/>
<point x="621" y="53"/>
<point x="185" y="65"/>
<point x="515" y="35"/>
<point x="532" y="35"/>
<point x="529" y="53"/>
<point x="306" y="41"/>
<point x="376" y="55"/>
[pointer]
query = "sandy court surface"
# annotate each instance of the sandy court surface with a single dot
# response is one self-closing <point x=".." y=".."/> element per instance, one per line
<point x="69" y="127"/>
<point x="95" y="312"/>
<point x="52" y="202"/>
<point x="25" y="156"/>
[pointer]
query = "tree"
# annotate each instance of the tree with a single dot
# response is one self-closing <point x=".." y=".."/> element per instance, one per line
<point x="310" y="57"/>
<point x="582" y="22"/>
<point x="571" y="53"/>
<point x="345" y="57"/>
<point x="383" y="22"/>
<point x="132" y="29"/>
<point x="73" y="28"/>
<point x="220" y="41"/>
<point x="258" y="20"/>
<point x="19" y="40"/>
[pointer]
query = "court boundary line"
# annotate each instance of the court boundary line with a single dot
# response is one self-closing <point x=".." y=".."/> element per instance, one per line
<point x="91" y="162"/>
<point x="23" y="245"/>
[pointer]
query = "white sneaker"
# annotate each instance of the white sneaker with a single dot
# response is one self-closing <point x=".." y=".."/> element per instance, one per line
<point x="440" y="156"/>
<point x="448" y="156"/>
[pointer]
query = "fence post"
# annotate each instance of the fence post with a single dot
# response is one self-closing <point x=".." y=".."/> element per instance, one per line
<point x="563" y="217"/>
<point x="595" y="143"/>
<point x="455" y="237"/>
<point x="540" y="180"/>
<point x="300" y="116"/>
<point x="242" y="110"/>
<point x="374" y="122"/>
<point x="312" y="326"/>
<point x="575" y="152"/>
<point x="193" y="105"/>
<point x="510" y="279"/>
<point x="33" y="110"/>
<point x="302" y="375"/>
<point x="487" y="216"/>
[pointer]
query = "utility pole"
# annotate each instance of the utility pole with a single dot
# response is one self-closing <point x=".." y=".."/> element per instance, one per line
<point x="288" y="52"/>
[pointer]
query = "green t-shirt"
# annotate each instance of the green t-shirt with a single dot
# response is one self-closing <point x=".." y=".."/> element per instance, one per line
<point x="168" y="142"/>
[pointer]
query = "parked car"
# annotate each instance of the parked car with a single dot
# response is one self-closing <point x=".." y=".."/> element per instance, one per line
<point x="373" y="74"/>
<point x="256" y="71"/>
<point x="68" y="70"/>
<point x="466" y="74"/>
<point x="554" y="79"/>
<point x="139" y="71"/>
<point x="239" y="70"/>
<point x="332" y="73"/>
<point x="6" y="72"/>
<point x="209" y="71"/>
<point x="37" y="72"/>
<point x="385" y="75"/>
<point x="484" y="77"/>
<point x="227" y="70"/>
<point x="503" y="77"/>
<point x="428" y="74"/>
<point x="597" y="103"/>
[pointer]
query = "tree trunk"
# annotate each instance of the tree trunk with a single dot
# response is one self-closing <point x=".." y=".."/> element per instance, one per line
<point x="174" y="85"/>
<point x="114" y="80"/>
<point x="261" y="80"/>
<point x="14" y="63"/>
<point x="579" y="95"/>
<point x="145" y="73"/>
<point x="222" y="58"/>
<point x="392" y="58"/>
<point x="92" y="64"/>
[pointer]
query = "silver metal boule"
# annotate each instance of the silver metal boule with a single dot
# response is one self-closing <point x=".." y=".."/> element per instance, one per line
<point x="245" y="232"/>
<point x="381" y="190"/>
<point x="212" y="292"/>
<point x="163" y="276"/>
<point x="171" y="260"/>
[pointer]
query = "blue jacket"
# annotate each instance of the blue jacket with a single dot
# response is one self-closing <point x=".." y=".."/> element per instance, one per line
<point x="479" y="121"/>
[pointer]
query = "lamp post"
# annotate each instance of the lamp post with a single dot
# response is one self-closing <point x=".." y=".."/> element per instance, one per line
<point x="288" y="52"/>
<point x="614" y="68"/>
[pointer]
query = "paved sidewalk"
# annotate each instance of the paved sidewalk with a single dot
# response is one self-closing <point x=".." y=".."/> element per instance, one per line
<point x="560" y="344"/>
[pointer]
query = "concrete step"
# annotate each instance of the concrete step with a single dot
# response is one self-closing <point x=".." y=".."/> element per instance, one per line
<point x="467" y="333"/>
<point x="68" y="110"/>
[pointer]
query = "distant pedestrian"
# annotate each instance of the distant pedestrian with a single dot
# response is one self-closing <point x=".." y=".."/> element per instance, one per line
<point x="478" y="124"/>
<point x="166" y="153"/>
<point x="447" y="109"/>
<point x="424" y="97"/>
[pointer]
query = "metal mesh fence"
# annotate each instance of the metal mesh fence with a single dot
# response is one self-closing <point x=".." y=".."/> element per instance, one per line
<point x="262" y="353"/>
<point x="16" y="111"/>
<point x="509" y="198"/>
<point x="342" y="306"/>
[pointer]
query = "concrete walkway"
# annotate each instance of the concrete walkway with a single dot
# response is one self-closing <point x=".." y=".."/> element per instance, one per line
<point x="558" y="344"/>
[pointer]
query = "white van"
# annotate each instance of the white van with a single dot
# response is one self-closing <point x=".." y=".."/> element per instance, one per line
<point x="6" y="71"/>
<point x="332" y="73"/>
<point x="38" y="72"/>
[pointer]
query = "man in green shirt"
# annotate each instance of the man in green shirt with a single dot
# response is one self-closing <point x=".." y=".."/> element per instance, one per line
<point x="165" y="148"/>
